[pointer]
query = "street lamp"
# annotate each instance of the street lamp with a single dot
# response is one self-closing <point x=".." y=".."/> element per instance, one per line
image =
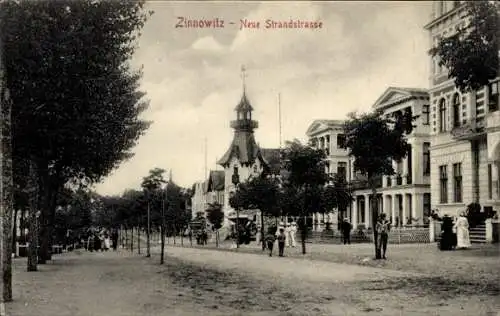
<point x="236" y="180"/>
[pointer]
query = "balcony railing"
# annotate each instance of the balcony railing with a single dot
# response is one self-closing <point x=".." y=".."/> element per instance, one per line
<point x="409" y="179"/>
<point x="364" y="184"/>
<point x="469" y="131"/>
<point x="399" y="180"/>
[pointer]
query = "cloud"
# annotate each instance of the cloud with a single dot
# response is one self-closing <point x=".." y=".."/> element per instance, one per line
<point x="207" y="43"/>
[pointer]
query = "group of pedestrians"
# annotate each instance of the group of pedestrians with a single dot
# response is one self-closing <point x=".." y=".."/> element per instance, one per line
<point x="102" y="240"/>
<point x="285" y="235"/>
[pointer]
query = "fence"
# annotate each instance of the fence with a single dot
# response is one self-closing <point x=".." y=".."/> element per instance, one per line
<point x="400" y="235"/>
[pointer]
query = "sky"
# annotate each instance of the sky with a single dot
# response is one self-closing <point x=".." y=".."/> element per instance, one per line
<point x="192" y="76"/>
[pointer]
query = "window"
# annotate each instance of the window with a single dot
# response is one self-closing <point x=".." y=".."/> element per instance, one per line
<point x="427" y="158"/>
<point x="456" y="110"/>
<point x="427" y="204"/>
<point x="457" y="182"/>
<point x="443" y="183"/>
<point x="340" y="141"/>
<point x="493" y="96"/>
<point x="442" y="115"/>
<point x="426" y="114"/>
<point x="342" y="170"/>
<point x="490" y="182"/>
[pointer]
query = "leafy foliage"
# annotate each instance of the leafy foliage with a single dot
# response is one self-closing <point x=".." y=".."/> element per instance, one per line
<point x="261" y="193"/>
<point x="307" y="188"/>
<point x="215" y="215"/>
<point x="374" y="141"/>
<point x="75" y="98"/>
<point x="472" y="54"/>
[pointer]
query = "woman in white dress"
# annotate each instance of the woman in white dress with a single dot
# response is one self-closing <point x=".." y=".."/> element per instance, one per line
<point x="462" y="229"/>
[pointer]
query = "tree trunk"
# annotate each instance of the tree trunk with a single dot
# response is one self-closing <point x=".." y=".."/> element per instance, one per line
<point x="7" y="192"/>
<point x="378" y="253"/>
<point x="174" y="233"/>
<point x="148" y="233"/>
<point x="262" y="231"/>
<point x="162" y="233"/>
<point x="33" y="198"/>
<point x="182" y="238"/>
<point x="139" y="239"/>
<point x="132" y="239"/>
<point x="14" y="231"/>
<point x="303" y="237"/>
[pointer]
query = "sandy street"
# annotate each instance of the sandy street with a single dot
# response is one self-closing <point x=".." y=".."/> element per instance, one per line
<point x="208" y="282"/>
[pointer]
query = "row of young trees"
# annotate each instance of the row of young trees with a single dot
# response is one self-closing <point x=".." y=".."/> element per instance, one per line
<point x="161" y="206"/>
<point x="70" y="105"/>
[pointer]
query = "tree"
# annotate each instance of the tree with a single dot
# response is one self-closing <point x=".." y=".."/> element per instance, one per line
<point x="305" y="189"/>
<point x="375" y="141"/>
<point x="215" y="216"/>
<point x="76" y="100"/>
<point x="152" y="185"/>
<point x="7" y="183"/>
<point x="471" y="55"/>
<point x="261" y="193"/>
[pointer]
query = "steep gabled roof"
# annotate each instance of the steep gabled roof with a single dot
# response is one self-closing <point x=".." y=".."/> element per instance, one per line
<point x="216" y="180"/>
<point x="272" y="160"/>
<point x="244" y="148"/>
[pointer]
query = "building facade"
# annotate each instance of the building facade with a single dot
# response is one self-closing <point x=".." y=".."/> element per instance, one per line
<point x="404" y="197"/>
<point x="465" y="129"/>
<point x="215" y="187"/>
<point x="328" y="135"/>
<point x="199" y="198"/>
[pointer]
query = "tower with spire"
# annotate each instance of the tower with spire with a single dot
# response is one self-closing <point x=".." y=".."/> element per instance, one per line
<point x="244" y="155"/>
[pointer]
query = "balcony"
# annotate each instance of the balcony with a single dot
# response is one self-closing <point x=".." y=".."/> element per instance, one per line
<point x="469" y="131"/>
<point x="362" y="184"/>
<point x="244" y="124"/>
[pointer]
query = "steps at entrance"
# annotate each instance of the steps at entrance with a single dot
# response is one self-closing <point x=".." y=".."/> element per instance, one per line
<point x="478" y="234"/>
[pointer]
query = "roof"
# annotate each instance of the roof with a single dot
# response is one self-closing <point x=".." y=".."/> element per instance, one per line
<point x="216" y="180"/>
<point x="272" y="159"/>
<point x="322" y="125"/>
<point x="394" y="95"/>
<point x="243" y="146"/>
<point x="244" y="104"/>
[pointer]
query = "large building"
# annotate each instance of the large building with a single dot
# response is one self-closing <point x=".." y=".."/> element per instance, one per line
<point x="328" y="135"/>
<point x="465" y="129"/>
<point x="405" y="197"/>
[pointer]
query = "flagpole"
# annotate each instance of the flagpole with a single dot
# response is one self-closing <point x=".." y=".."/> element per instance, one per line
<point x="279" y="117"/>
<point x="206" y="161"/>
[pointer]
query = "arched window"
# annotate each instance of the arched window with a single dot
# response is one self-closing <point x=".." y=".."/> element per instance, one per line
<point x="442" y="115"/>
<point x="456" y="110"/>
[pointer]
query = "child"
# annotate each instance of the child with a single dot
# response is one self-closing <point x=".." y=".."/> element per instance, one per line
<point x="270" y="242"/>
<point x="281" y="241"/>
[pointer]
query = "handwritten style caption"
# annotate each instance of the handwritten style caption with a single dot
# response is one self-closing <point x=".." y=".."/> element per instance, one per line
<point x="184" y="22"/>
